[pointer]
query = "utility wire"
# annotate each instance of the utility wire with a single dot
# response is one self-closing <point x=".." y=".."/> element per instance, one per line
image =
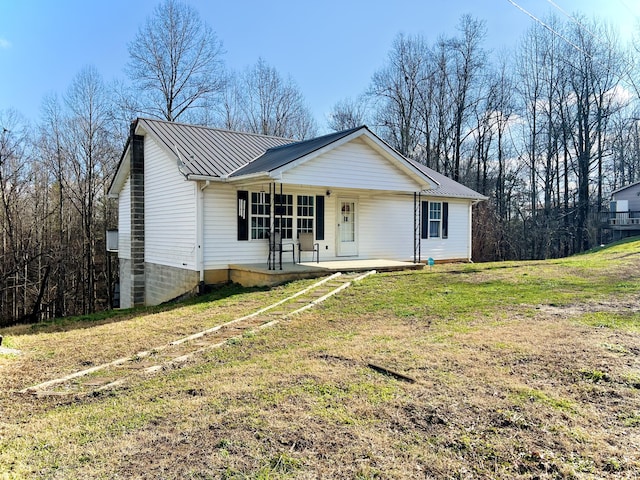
<point x="626" y="5"/>
<point x="575" y="20"/>
<point x="558" y="34"/>
<point x="573" y="45"/>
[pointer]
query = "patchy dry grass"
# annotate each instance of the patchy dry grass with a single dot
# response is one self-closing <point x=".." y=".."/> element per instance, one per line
<point x="522" y="370"/>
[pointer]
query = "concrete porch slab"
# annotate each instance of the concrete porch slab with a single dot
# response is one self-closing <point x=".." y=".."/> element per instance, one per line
<point x="251" y="275"/>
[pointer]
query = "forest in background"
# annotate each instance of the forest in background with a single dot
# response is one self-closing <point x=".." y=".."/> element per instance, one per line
<point x="546" y="131"/>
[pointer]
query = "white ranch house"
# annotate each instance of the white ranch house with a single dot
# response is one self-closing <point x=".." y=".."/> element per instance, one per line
<point x="196" y="204"/>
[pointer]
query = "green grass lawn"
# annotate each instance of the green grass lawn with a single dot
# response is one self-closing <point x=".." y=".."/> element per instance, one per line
<point x="521" y="369"/>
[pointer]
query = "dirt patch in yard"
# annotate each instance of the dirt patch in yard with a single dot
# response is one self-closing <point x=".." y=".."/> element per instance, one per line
<point x="522" y="372"/>
<point x="623" y="305"/>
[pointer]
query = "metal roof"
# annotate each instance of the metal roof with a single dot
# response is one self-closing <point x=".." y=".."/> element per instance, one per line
<point x="280" y="156"/>
<point x="209" y="151"/>
<point x="212" y="152"/>
<point x="446" y="186"/>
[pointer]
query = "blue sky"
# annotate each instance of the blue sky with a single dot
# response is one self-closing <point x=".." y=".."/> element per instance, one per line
<point x="331" y="48"/>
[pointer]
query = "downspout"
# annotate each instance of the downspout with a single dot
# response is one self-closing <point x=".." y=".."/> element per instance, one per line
<point x="200" y="232"/>
<point x="470" y="231"/>
<point x="200" y="188"/>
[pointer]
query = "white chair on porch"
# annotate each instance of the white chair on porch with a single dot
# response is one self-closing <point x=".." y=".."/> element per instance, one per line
<point x="306" y="244"/>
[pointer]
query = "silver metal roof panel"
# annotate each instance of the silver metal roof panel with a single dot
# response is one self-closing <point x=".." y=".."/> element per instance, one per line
<point x="210" y="151"/>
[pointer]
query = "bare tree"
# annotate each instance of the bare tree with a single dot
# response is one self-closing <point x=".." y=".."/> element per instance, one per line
<point x="468" y="59"/>
<point x="90" y="154"/>
<point x="397" y="90"/>
<point x="14" y="179"/>
<point x="347" y="114"/>
<point x="593" y="75"/>
<point x="175" y="62"/>
<point x="271" y="105"/>
<point x="54" y="160"/>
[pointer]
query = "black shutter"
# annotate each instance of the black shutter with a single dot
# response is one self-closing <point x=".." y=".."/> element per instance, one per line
<point x="445" y="219"/>
<point x="319" y="217"/>
<point x="425" y="220"/>
<point x="243" y="215"/>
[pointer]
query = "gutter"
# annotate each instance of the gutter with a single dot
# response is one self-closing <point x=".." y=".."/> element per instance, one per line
<point x="227" y="178"/>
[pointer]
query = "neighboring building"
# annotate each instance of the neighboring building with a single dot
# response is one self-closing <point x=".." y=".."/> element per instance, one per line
<point x="195" y="201"/>
<point x="623" y="218"/>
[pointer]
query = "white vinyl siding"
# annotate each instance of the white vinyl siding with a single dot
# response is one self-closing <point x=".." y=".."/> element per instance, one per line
<point x="386" y="227"/>
<point x="354" y="165"/>
<point x="386" y="230"/>
<point x="384" y="222"/>
<point x="457" y="245"/>
<point x="222" y="246"/>
<point x="170" y="211"/>
<point x="124" y="221"/>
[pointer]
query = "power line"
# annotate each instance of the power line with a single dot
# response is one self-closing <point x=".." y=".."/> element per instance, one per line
<point x="625" y="5"/>
<point x="558" y="34"/>
<point x="574" y="20"/>
<point x="576" y="47"/>
<point x="606" y="43"/>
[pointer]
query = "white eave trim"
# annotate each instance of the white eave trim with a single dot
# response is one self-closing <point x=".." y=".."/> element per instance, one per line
<point x="381" y="147"/>
<point x="122" y="173"/>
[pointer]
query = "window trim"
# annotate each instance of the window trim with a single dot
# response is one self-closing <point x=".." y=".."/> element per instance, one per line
<point x="426" y="220"/>
<point x="248" y="211"/>
<point x="284" y="212"/>
<point x="259" y="209"/>
<point x="435" y="219"/>
<point x="310" y="206"/>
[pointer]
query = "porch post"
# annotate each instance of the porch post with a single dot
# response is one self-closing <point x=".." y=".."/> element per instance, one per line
<point x="272" y="239"/>
<point x="417" y="222"/>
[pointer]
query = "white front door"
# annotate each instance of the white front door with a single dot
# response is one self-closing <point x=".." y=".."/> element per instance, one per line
<point x="347" y="228"/>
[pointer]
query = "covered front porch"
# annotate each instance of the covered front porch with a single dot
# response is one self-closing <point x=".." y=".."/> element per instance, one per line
<point x="251" y="275"/>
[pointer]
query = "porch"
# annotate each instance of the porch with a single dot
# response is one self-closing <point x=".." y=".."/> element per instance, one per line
<point x="251" y="275"/>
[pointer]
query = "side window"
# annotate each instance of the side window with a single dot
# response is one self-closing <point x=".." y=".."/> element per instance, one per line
<point x="435" y="219"/>
<point x="305" y="213"/>
<point x="254" y="215"/>
<point x="283" y="220"/>
<point x="260" y="212"/>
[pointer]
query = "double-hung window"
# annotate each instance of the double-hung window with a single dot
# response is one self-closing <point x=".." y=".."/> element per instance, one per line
<point x="283" y="221"/>
<point x="260" y="215"/>
<point x="292" y="214"/>
<point x="305" y="213"/>
<point x="435" y="219"/>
